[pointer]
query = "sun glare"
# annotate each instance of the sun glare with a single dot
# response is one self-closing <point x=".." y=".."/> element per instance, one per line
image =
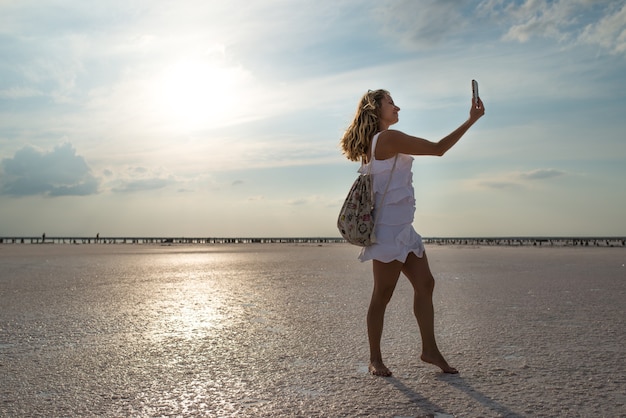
<point x="192" y="94"/>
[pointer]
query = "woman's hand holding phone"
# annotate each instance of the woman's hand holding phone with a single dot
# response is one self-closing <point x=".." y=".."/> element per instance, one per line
<point x="478" y="109"/>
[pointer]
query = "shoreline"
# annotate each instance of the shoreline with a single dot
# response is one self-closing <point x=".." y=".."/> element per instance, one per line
<point x="454" y="241"/>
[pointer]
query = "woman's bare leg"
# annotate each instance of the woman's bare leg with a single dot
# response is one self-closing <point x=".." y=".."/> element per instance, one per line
<point x="418" y="272"/>
<point x="385" y="280"/>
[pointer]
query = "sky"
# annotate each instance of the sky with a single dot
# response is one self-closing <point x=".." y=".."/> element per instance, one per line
<point x="197" y="118"/>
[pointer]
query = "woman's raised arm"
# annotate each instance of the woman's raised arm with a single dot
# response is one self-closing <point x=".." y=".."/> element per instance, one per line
<point x="392" y="142"/>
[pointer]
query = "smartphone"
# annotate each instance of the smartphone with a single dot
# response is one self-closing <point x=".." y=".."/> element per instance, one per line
<point x="475" y="90"/>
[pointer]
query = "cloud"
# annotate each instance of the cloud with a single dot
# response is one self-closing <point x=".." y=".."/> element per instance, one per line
<point x="600" y="22"/>
<point x="500" y="184"/>
<point x="609" y="32"/>
<point x="430" y="23"/>
<point x="517" y="180"/>
<point x="20" y="93"/>
<point x="539" y="18"/>
<point x="298" y="202"/>
<point x="140" y="179"/>
<point x="423" y="24"/>
<point x="137" y="179"/>
<point x="59" y="172"/>
<point x="131" y="186"/>
<point x="312" y="201"/>
<point x="541" y="174"/>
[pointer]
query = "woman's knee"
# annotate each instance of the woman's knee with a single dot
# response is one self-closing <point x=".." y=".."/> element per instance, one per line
<point x="382" y="295"/>
<point x="429" y="282"/>
<point x="418" y="272"/>
<point x="424" y="284"/>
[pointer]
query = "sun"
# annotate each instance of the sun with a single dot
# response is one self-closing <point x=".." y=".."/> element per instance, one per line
<point x="192" y="94"/>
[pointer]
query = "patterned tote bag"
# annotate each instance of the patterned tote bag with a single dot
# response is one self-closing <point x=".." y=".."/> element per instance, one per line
<point x="356" y="219"/>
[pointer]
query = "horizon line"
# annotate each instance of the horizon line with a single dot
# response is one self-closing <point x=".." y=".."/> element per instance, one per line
<point x="295" y="237"/>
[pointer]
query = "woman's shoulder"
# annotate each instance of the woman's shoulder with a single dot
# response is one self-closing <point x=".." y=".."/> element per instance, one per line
<point x="391" y="133"/>
<point x="387" y="141"/>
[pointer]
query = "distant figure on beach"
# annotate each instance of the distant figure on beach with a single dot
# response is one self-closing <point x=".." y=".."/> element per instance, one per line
<point x="43" y="238"/>
<point x="399" y="248"/>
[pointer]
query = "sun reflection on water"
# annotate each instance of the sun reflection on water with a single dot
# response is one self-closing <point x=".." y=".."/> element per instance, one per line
<point x="193" y="297"/>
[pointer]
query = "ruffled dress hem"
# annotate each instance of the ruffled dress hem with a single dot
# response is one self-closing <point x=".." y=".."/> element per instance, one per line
<point x="406" y="241"/>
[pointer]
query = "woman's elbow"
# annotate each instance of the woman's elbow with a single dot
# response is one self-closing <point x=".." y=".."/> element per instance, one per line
<point x="439" y="151"/>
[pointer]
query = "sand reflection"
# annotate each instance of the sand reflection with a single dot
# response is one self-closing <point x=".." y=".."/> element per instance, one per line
<point x="191" y="295"/>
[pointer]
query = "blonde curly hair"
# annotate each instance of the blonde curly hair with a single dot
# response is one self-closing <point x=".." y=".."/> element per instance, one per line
<point x="357" y="139"/>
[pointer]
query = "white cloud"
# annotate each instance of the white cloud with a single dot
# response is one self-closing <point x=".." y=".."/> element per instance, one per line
<point x="59" y="172"/>
<point x="514" y="181"/>
<point x="600" y="22"/>
<point x="540" y="18"/>
<point x="298" y="202"/>
<point x="20" y="92"/>
<point x="609" y="32"/>
<point x="139" y="185"/>
<point x="424" y="24"/>
<point x="542" y="174"/>
<point x="134" y="179"/>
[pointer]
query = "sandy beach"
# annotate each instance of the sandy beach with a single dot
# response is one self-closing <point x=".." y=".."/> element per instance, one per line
<point x="279" y="330"/>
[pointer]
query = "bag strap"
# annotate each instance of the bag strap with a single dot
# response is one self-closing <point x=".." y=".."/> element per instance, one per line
<point x="369" y="162"/>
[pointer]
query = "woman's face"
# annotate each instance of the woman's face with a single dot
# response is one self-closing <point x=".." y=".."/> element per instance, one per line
<point x="388" y="112"/>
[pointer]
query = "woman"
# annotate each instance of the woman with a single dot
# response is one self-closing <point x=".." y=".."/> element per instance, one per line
<point x="398" y="248"/>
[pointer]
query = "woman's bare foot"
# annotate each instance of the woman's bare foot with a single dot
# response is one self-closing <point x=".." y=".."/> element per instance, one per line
<point x="440" y="362"/>
<point x="377" y="368"/>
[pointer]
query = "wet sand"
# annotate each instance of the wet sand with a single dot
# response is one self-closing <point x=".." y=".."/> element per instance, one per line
<point x="279" y="330"/>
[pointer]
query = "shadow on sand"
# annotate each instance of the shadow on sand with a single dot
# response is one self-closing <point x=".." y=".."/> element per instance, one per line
<point x="418" y="399"/>
<point x="457" y="382"/>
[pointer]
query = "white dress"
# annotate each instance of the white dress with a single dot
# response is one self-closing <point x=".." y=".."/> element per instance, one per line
<point x="395" y="236"/>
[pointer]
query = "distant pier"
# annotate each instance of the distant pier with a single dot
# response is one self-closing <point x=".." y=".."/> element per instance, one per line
<point x="504" y="241"/>
<point x="164" y="240"/>
<point x="533" y="241"/>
